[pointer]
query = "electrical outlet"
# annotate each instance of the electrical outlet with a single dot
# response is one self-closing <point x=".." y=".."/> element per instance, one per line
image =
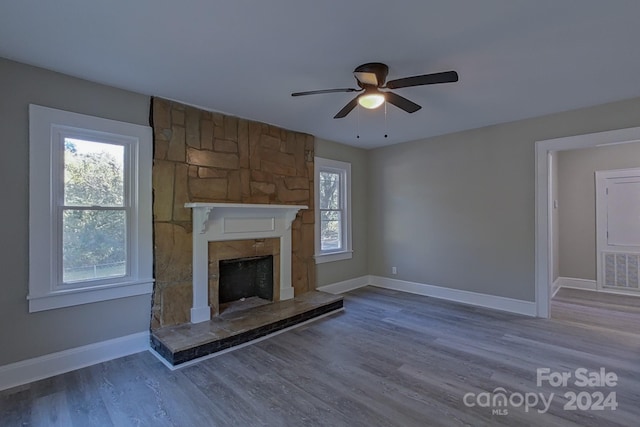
<point x="394" y="270"/>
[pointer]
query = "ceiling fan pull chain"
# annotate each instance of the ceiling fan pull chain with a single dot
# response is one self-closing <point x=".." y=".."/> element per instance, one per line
<point x="385" y="119"/>
<point x="358" y="130"/>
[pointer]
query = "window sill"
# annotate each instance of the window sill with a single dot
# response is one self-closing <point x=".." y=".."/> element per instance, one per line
<point x="334" y="256"/>
<point x="68" y="298"/>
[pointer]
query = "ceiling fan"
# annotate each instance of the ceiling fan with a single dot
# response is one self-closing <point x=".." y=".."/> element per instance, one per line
<point x="371" y="78"/>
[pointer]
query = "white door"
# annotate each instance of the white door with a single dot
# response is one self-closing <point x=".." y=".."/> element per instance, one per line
<point x="618" y="230"/>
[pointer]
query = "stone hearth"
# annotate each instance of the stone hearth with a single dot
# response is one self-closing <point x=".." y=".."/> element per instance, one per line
<point x="179" y="344"/>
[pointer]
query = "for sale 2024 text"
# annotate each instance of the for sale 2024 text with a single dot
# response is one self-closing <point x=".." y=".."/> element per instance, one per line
<point x="583" y="378"/>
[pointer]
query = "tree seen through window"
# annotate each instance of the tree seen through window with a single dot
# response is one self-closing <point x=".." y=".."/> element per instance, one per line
<point x="94" y="214"/>
<point x="331" y="211"/>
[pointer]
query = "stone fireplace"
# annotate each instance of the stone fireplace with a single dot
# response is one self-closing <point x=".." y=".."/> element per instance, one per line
<point x="207" y="157"/>
<point x="224" y="189"/>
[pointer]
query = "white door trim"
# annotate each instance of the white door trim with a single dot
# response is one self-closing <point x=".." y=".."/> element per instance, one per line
<point x="543" y="240"/>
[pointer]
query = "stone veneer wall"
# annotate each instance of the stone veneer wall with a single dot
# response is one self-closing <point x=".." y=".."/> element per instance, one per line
<point x="200" y="156"/>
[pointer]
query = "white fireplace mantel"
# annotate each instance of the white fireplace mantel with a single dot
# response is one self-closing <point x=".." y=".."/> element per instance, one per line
<point x="231" y="221"/>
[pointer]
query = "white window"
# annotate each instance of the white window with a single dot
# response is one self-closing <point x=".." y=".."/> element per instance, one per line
<point x="333" y="210"/>
<point x="90" y="236"/>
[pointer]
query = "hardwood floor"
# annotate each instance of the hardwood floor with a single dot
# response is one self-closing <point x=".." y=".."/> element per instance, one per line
<point x="391" y="359"/>
<point x="603" y="311"/>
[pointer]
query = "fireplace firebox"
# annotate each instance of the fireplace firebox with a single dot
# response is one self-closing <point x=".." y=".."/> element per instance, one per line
<point x="246" y="278"/>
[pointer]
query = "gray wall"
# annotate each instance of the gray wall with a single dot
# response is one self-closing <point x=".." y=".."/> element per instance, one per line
<point x="577" y="203"/>
<point x="24" y="335"/>
<point x="333" y="272"/>
<point x="458" y="210"/>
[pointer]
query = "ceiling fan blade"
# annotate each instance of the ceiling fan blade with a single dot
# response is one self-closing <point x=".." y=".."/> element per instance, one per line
<point x="315" y="92"/>
<point x="426" y="79"/>
<point x="347" y="108"/>
<point x="401" y="102"/>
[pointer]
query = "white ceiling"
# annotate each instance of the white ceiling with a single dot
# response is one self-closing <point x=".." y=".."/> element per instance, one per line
<point x="515" y="58"/>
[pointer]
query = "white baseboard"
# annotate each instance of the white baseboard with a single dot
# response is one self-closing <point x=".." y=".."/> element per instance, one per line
<point x="345" y="286"/>
<point x="26" y="371"/>
<point x="555" y="287"/>
<point x="527" y="308"/>
<point x="572" y="282"/>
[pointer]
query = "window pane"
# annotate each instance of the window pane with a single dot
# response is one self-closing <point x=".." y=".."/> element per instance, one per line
<point x="330" y="230"/>
<point x="94" y="244"/>
<point x="93" y="173"/>
<point x="329" y="190"/>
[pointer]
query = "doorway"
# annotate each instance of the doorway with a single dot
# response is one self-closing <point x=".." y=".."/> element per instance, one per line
<point x="544" y="202"/>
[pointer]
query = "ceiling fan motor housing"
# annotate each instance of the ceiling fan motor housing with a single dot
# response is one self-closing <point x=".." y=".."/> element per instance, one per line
<point x="371" y="74"/>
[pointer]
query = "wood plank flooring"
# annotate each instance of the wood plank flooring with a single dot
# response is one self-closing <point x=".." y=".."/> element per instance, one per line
<point x="598" y="310"/>
<point x="390" y="359"/>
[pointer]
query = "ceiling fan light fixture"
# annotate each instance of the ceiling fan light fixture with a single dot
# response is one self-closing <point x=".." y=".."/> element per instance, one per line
<point x="371" y="99"/>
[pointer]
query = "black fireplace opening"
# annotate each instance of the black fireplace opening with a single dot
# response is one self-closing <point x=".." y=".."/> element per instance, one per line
<point x="245" y="278"/>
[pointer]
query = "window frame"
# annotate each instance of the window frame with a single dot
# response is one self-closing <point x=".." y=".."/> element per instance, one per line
<point x="344" y="169"/>
<point x="48" y="129"/>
